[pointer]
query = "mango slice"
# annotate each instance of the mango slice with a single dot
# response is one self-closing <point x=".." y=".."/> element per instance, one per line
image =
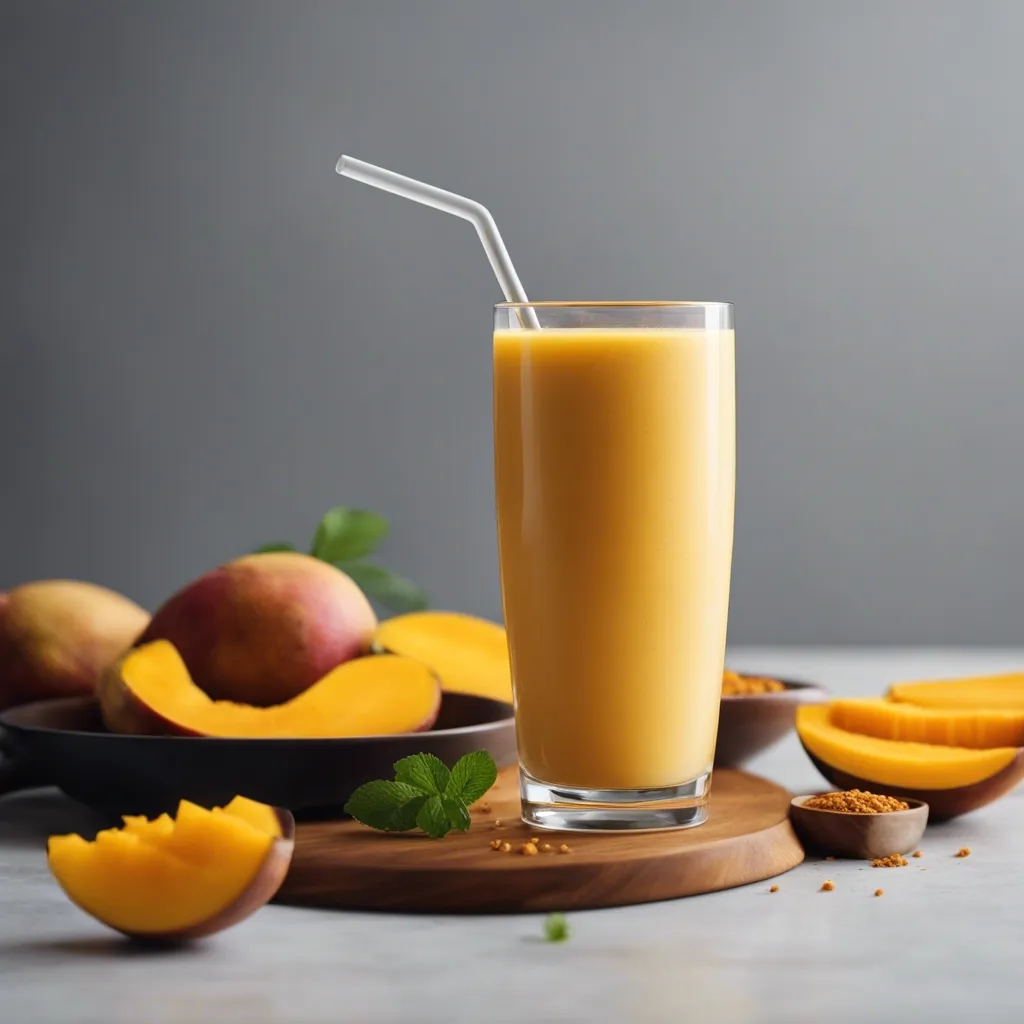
<point x="177" y="878"/>
<point x="468" y="654"/>
<point x="261" y="816"/>
<point x="907" y="765"/>
<point x="1003" y="692"/>
<point x="150" y="690"/>
<point x="889" y="720"/>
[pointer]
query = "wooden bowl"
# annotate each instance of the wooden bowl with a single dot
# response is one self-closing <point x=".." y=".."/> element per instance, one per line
<point x="749" y="725"/>
<point x="863" y="836"/>
<point x="943" y="803"/>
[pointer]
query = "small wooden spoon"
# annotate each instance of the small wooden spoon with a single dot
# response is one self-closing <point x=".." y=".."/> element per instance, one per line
<point x="862" y="836"/>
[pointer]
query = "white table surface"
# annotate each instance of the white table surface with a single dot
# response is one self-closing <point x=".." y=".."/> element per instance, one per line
<point x="943" y="944"/>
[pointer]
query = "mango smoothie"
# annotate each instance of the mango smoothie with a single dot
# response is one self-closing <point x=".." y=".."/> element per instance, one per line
<point x="615" y="477"/>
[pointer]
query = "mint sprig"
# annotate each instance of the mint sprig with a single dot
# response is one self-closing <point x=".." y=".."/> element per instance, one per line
<point x="424" y="794"/>
<point x="345" y="537"/>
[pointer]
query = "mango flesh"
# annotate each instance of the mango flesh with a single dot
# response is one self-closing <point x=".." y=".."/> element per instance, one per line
<point x="264" y="628"/>
<point x="58" y="636"/>
<point x="168" y="877"/>
<point x="976" y="729"/>
<point x="150" y="691"/>
<point x="898" y="763"/>
<point x="998" y="692"/>
<point x="468" y="654"/>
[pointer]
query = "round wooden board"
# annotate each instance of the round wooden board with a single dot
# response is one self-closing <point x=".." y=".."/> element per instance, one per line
<point x="343" y="865"/>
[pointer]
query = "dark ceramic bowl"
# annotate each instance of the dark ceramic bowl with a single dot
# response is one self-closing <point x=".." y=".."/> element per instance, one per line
<point x="63" y="743"/>
<point x="749" y="725"/>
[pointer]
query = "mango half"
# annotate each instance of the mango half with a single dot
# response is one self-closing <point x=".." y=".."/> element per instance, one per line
<point x="468" y="654"/>
<point x="177" y="879"/>
<point x="149" y="691"/>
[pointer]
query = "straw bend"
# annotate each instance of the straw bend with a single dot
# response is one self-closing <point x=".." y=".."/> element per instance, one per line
<point x="448" y="202"/>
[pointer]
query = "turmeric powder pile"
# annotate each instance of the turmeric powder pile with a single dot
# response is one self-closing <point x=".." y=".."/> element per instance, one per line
<point x="856" y="801"/>
<point x="894" y="860"/>
<point x="735" y="685"/>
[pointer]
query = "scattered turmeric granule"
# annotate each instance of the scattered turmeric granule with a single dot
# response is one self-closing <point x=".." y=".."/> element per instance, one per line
<point x="564" y="848"/>
<point x="736" y="685"/>
<point x="917" y="853"/>
<point x="506" y="847"/>
<point x="879" y="892"/>
<point x="774" y="888"/>
<point x="497" y="823"/>
<point x="894" y="860"/>
<point x="545" y="847"/>
<point x="964" y="851"/>
<point x="528" y="850"/>
<point x="495" y="844"/>
<point x="856" y="801"/>
<point x="827" y="886"/>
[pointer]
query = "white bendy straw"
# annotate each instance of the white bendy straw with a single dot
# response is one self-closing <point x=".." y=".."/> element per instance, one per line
<point x="448" y="202"/>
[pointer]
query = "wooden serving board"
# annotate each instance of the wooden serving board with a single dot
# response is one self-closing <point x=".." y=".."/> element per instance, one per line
<point x="344" y="865"/>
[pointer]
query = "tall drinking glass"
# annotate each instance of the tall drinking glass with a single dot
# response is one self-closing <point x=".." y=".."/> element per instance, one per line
<point x="615" y="451"/>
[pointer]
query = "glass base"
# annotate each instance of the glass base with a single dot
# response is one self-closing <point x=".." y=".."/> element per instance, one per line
<point x="563" y="808"/>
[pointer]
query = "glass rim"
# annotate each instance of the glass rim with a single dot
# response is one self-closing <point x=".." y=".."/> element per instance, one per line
<point x="562" y="304"/>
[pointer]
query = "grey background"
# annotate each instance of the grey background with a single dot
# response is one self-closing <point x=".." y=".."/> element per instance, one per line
<point x="207" y="337"/>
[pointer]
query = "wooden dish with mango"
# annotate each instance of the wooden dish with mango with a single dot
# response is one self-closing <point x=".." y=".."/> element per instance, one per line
<point x="955" y="744"/>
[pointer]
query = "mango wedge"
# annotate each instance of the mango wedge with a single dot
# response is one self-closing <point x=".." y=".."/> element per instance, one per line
<point x="896" y="763"/>
<point x="949" y="727"/>
<point x="997" y="692"/>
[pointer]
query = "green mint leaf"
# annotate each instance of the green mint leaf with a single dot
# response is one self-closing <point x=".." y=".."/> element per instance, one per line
<point x="377" y="804"/>
<point x="388" y="588"/>
<point x="472" y="776"/>
<point x="456" y="813"/>
<point x="432" y="819"/>
<point x="404" y="818"/>
<point x="424" y="771"/>
<point x="556" y="928"/>
<point x="274" y="546"/>
<point x="345" y="533"/>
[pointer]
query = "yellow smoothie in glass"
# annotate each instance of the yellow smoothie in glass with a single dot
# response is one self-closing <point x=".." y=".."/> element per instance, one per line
<point x="615" y="476"/>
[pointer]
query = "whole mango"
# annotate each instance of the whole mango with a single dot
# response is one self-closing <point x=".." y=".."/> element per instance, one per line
<point x="57" y="637"/>
<point x="263" y="628"/>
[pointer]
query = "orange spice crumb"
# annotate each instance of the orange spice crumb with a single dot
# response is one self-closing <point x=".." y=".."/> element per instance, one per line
<point x="879" y="892"/>
<point x="774" y="888"/>
<point x="564" y="848"/>
<point x="495" y="844"/>
<point x="964" y="851"/>
<point x="827" y="886"/>
<point x="894" y="860"/>
<point x="856" y="801"/>
<point x="528" y="849"/>
<point x="917" y="853"/>
<point x="545" y="848"/>
<point x="497" y="823"/>
<point x="506" y="847"/>
<point x="736" y="685"/>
